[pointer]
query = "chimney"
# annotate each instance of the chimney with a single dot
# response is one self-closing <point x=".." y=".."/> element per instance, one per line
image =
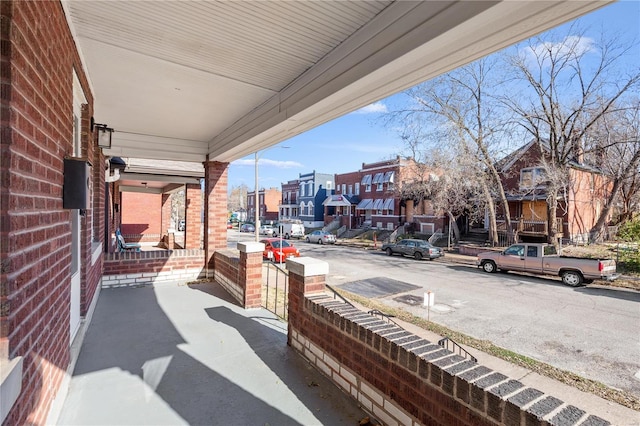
<point x="577" y="146"/>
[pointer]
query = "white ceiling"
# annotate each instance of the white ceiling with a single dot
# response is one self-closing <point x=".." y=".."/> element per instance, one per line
<point x="182" y="80"/>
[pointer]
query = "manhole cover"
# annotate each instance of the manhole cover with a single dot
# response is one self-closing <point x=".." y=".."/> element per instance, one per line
<point x="410" y="299"/>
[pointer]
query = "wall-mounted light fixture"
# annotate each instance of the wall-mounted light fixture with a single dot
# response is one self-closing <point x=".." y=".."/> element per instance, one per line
<point x="104" y="134"/>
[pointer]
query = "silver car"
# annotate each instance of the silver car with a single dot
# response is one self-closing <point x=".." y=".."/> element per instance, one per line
<point x="321" y="237"/>
<point x="417" y="249"/>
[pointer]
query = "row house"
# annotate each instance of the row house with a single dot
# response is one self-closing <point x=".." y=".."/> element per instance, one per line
<point x="268" y="201"/>
<point x="369" y="197"/>
<point x="314" y="187"/>
<point x="289" y="208"/>
<point x="578" y="206"/>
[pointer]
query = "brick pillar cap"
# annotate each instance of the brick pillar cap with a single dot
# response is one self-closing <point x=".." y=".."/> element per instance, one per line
<point x="251" y="247"/>
<point x="307" y="266"/>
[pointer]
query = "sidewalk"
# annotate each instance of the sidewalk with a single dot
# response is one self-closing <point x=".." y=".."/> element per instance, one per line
<point x="176" y="354"/>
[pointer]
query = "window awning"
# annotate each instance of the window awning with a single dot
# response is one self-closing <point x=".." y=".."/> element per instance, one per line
<point x="366" y="180"/>
<point x="388" y="204"/>
<point x="366" y="204"/>
<point x="378" y="178"/>
<point x="377" y="204"/>
<point x="388" y="177"/>
<point x="336" y="201"/>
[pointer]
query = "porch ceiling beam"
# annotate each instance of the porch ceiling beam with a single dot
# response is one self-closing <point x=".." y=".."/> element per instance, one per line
<point x="159" y="178"/>
<point x="406" y="44"/>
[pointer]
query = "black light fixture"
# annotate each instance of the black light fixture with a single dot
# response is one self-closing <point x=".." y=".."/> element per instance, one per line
<point x="104" y="134"/>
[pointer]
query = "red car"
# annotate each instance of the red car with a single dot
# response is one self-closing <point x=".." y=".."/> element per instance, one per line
<point x="274" y="252"/>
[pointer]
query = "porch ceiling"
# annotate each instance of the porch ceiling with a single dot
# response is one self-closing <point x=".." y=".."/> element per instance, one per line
<point x="182" y="80"/>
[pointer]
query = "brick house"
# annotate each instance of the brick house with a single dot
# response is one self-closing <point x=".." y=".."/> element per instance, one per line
<point x="289" y="207"/>
<point x="269" y="200"/>
<point x="523" y="177"/>
<point x="369" y="197"/>
<point x="64" y="67"/>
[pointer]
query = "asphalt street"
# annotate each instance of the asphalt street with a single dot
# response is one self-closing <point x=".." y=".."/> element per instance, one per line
<point x="592" y="331"/>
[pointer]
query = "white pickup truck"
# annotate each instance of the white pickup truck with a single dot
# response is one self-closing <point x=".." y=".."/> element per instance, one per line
<point x="543" y="259"/>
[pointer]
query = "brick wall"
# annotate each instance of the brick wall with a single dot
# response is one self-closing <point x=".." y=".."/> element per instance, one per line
<point x="240" y="273"/>
<point x="402" y="379"/>
<point x="141" y="214"/>
<point x="148" y="267"/>
<point x="226" y="272"/>
<point x="37" y="60"/>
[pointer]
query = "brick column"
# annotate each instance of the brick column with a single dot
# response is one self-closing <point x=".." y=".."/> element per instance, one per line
<point x="250" y="273"/>
<point x="215" y="212"/>
<point x="192" y="216"/>
<point x="306" y="276"/>
<point x="165" y="219"/>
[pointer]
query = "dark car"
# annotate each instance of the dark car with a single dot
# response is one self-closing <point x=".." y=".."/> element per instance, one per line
<point x="418" y="249"/>
<point x="247" y="227"/>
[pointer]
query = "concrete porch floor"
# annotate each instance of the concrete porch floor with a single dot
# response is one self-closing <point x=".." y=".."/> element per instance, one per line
<point x="187" y="354"/>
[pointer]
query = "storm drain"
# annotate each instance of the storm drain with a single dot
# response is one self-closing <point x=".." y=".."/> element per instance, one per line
<point x="410" y="299"/>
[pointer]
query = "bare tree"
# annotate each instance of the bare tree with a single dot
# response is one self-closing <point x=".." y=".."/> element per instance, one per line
<point x="237" y="199"/>
<point x="614" y="142"/>
<point x="565" y="89"/>
<point x="449" y="181"/>
<point x="459" y="108"/>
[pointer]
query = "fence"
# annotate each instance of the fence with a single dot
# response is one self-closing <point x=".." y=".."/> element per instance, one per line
<point x="275" y="287"/>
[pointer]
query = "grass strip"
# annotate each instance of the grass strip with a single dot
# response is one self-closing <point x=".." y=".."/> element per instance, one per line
<point x="566" y="377"/>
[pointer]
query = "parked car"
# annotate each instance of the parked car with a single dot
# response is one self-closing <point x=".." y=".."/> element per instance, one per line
<point x="229" y="225"/>
<point x="418" y="249"/>
<point x="321" y="237"/>
<point x="247" y="227"/>
<point x="278" y="250"/>
<point x="543" y="259"/>
<point x="289" y="230"/>
<point x="266" y="230"/>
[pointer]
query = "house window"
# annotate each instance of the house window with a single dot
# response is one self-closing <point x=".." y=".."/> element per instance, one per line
<point x="344" y="188"/>
<point x="532" y="177"/>
<point x="310" y="208"/>
<point x="310" y="189"/>
<point x="357" y="189"/>
<point x="390" y="186"/>
<point x="379" y="186"/>
<point x="367" y="188"/>
<point x="302" y="206"/>
<point x="350" y="190"/>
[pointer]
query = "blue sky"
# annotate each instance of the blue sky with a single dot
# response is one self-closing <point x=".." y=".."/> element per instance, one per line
<point x="342" y="145"/>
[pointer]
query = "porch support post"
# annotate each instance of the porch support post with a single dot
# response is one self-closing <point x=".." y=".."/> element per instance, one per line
<point x="250" y="273"/>
<point x="193" y="220"/>
<point x="165" y="219"/>
<point x="215" y="212"/>
<point x="307" y="276"/>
